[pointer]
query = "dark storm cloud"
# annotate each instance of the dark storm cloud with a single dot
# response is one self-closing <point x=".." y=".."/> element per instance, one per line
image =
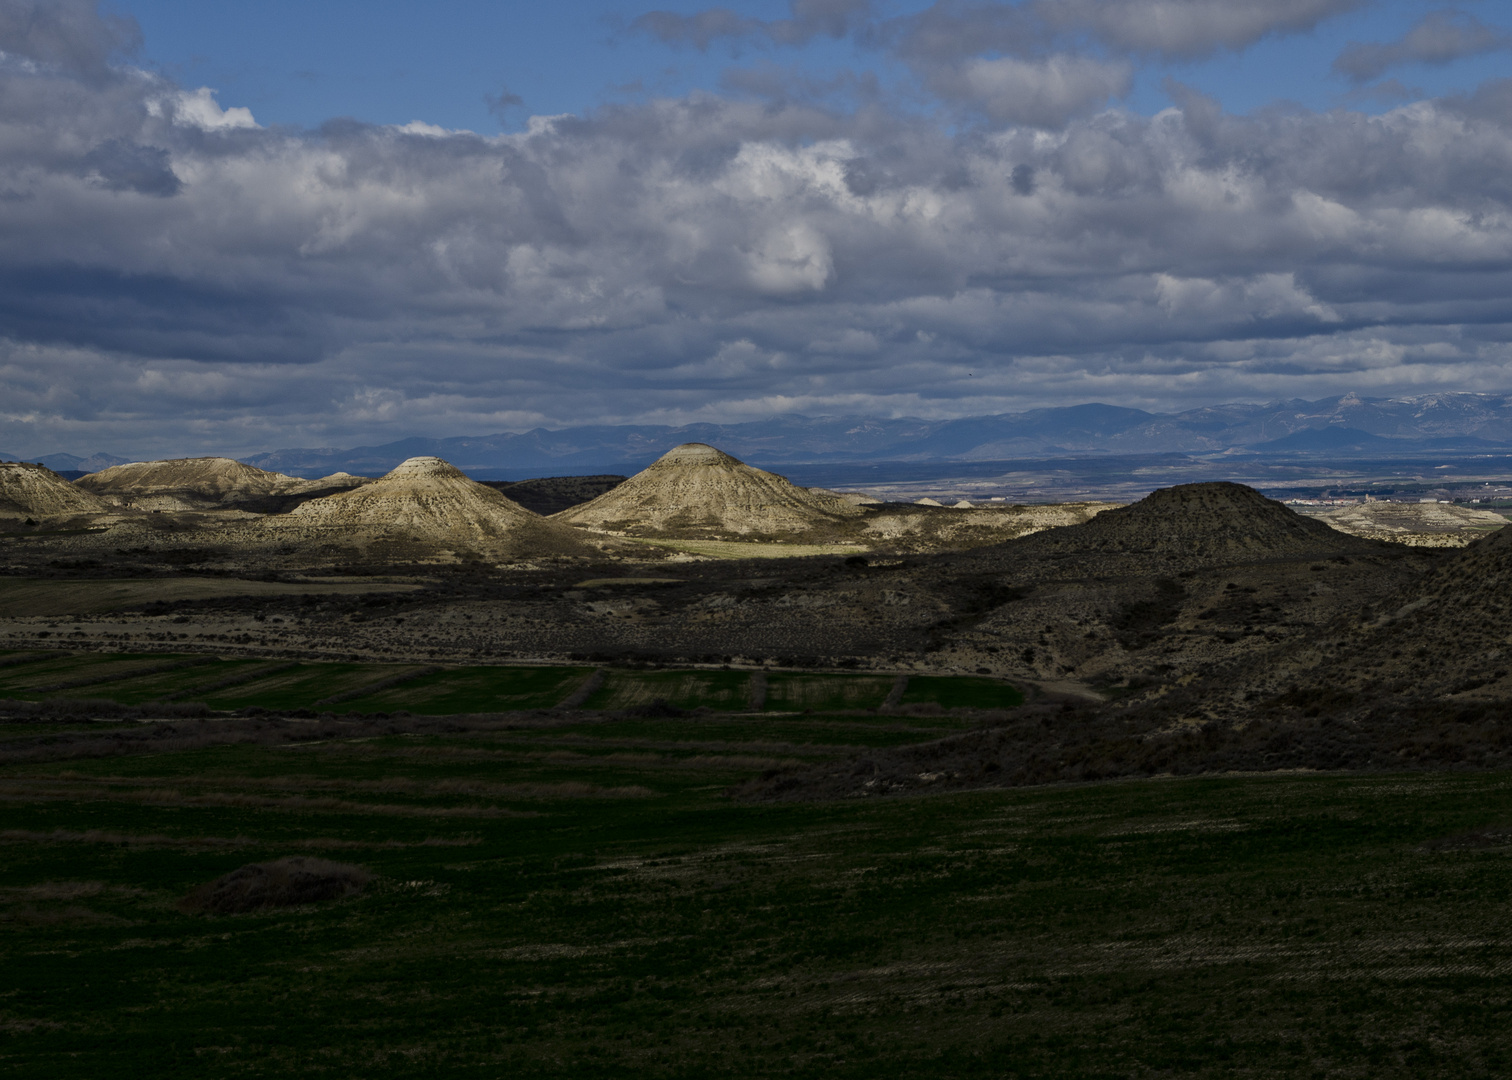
<point x="72" y="35"/>
<point x="171" y="271"/>
<point x="125" y="166"/>
<point x="1440" y="37"/>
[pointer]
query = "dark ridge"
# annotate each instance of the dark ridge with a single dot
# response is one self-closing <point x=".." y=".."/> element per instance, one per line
<point x="1057" y="745"/>
<point x="1446" y="635"/>
<point x="1212" y="519"/>
<point x="552" y="494"/>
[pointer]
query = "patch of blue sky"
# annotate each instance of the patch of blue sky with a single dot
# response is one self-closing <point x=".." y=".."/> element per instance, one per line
<point x="455" y="62"/>
<point x="301" y="63"/>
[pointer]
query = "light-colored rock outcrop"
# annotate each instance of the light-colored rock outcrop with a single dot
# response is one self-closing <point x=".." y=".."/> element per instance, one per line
<point x="208" y="483"/>
<point x="1417" y="524"/>
<point x="696" y="490"/>
<point x="426" y="503"/>
<point x="36" y="492"/>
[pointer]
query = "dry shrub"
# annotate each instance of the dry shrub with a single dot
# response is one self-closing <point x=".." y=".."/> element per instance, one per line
<point x="286" y="882"/>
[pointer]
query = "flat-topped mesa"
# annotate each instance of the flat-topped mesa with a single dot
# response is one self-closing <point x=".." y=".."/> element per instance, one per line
<point x="206" y="483"/>
<point x="1223" y="520"/>
<point x="38" y="493"/>
<point x="694" y="454"/>
<point x="698" y="490"/>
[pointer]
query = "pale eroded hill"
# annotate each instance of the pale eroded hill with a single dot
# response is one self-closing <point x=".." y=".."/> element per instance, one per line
<point x="208" y="483"/>
<point x="36" y="492"/>
<point x="697" y="491"/>
<point x="429" y="508"/>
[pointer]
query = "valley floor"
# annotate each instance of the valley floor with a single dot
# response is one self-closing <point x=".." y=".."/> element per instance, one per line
<point x="576" y="896"/>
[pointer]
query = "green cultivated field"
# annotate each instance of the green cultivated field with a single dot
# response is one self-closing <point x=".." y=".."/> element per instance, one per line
<point x="582" y="898"/>
<point x="724" y="690"/>
<point x="583" y="901"/>
<point x="961" y="693"/>
<point x="480" y="689"/>
<point x="826" y="693"/>
<point x="285" y="685"/>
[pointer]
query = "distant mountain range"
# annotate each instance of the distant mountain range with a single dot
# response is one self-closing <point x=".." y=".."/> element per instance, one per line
<point x="1348" y="425"/>
<point x="71" y="465"/>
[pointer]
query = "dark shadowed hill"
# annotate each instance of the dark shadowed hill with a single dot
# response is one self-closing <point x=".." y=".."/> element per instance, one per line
<point x="1221" y="632"/>
<point x="1448" y="637"/>
<point x="1200" y="521"/>
<point x="553" y="494"/>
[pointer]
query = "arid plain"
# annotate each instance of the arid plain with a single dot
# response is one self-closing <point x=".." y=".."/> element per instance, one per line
<point x="700" y="771"/>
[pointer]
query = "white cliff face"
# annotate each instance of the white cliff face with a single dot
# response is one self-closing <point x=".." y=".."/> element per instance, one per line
<point x="697" y="488"/>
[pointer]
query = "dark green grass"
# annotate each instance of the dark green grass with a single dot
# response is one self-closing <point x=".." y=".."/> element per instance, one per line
<point x="299" y="687"/>
<point x="953" y="692"/>
<point x="479" y="689"/>
<point x="473" y="689"/>
<point x="726" y="690"/>
<point x="181" y="683"/>
<point x="1260" y="926"/>
<point x="27" y="681"/>
<point x="826" y="693"/>
<point x="856" y="731"/>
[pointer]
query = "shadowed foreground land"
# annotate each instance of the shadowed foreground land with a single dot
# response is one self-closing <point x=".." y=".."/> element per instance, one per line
<point x="575" y="896"/>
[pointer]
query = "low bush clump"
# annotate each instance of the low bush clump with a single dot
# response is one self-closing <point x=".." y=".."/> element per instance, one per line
<point x="286" y="882"/>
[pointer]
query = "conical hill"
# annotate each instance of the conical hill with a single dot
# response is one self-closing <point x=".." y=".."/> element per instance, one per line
<point x="427" y="502"/>
<point x="36" y="492"/>
<point x="696" y="490"/>
<point x="1201" y="521"/>
<point x="206" y="483"/>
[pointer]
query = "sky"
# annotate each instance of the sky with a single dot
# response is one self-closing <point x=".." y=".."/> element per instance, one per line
<point x="235" y="228"/>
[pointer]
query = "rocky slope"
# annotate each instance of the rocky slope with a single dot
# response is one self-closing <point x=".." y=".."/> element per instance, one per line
<point x="1199" y="522"/>
<point x="210" y="483"/>
<point x="432" y="509"/>
<point x="696" y="491"/>
<point x="38" y="493"/>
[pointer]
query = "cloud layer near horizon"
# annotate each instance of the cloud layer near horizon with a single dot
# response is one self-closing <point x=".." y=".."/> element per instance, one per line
<point x="174" y="277"/>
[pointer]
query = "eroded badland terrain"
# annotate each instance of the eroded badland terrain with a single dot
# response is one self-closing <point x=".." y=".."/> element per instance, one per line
<point x="1199" y="610"/>
<point x="700" y="772"/>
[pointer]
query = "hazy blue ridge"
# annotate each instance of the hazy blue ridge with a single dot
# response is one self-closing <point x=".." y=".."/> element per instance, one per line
<point x="1348" y="425"/>
<point x="1343" y="424"/>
